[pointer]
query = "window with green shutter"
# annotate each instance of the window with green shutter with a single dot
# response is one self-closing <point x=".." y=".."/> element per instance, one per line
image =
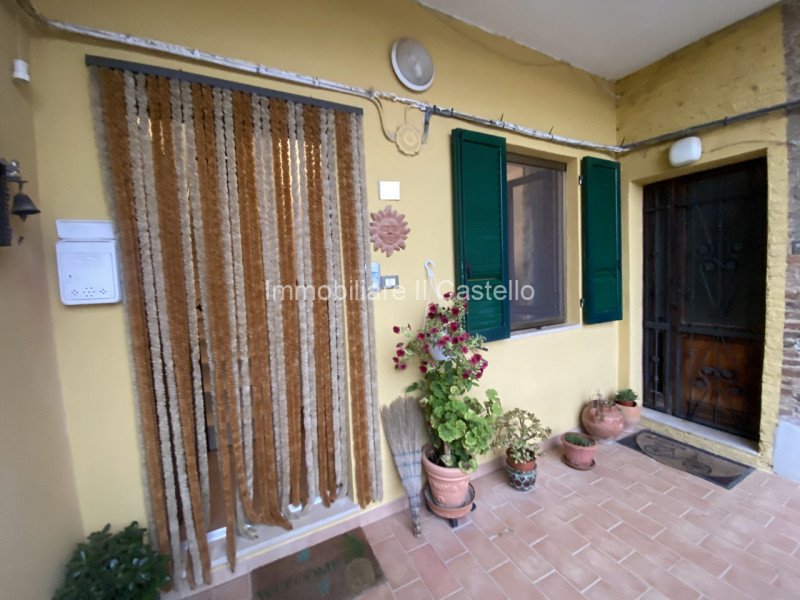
<point x="602" y="241"/>
<point x="480" y="230"/>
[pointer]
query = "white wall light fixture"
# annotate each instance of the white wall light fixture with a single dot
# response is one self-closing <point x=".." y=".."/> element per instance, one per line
<point x="685" y="152"/>
<point x="412" y="64"/>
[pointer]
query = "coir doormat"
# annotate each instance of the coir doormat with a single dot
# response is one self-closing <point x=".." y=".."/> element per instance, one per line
<point x="340" y="568"/>
<point x="716" y="469"/>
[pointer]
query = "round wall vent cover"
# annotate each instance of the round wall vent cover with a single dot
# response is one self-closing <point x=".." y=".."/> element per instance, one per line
<point x="412" y="64"/>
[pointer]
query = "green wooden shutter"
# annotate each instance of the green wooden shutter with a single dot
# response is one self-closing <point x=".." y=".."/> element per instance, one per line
<point x="480" y="222"/>
<point x="602" y="241"/>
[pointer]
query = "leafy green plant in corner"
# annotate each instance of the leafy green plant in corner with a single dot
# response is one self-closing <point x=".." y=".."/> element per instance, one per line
<point x="520" y="431"/>
<point x="626" y="396"/>
<point x="461" y="425"/>
<point x="118" y="566"/>
<point x="578" y="439"/>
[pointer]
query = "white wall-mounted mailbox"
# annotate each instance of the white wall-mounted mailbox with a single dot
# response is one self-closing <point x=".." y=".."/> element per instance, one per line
<point x="86" y="254"/>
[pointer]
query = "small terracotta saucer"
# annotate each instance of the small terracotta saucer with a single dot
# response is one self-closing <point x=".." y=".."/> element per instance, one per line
<point x="580" y="468"/>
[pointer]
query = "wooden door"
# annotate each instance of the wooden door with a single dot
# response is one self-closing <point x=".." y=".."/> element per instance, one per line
<point x="704" y="296"/>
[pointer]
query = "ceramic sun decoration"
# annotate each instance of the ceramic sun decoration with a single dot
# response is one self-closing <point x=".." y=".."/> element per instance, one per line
<point x="388" y="230"/>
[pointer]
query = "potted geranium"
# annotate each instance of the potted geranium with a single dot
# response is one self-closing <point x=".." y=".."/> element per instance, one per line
<point x="461" y="425"/>
<point x="519" y="431"/>
<point x="631" y="410"/>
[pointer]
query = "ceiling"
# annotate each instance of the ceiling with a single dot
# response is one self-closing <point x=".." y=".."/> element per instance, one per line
<point x="610" y="38"/>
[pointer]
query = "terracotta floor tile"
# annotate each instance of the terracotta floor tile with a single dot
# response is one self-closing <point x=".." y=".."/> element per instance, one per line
<point x="600" y="539"/>
<point x="739" y="557"/>
<point x="484" y="551"/>
<point x="524" y="502"/>
<point x="771" y="554"/>
<point x="441" y="537"/>
<point x="701" y="580"/>
<point x="658" y="578"/>
<point x="788" y="582"/>
<point x="415" y="590"/>
<point x="581" y="506"/>
<point x="395" y="564"/>
<point x="402" y="528"/>
<point x="377" y="531"/>
<point x="434" y="572"/>
<point x="665" y="502"/>
<point x="715" y="526"/>
<point x="775" y="536"/>
<point x="650" y="547"/>
<point x="528" y="560"/>
<point x="625" y="584"/>
<point x="602" y="590"/>
<point x="487" y="522"/>
<point x="752" y="586"/>
<point x="520" y="524"/>
<point x="563" y="561"/>
<point x="514" y="583"/>
<point x="555" y="587"/>
<point x="477" y="582"/>
<point x="688" y="550"/>
<point x="678" y="526"/>
<point x="634" y="518"/>
<point x="647" y="478"/>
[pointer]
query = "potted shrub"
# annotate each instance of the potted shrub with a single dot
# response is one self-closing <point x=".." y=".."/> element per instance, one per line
<point x="631" y="410"/>
<point x="519" y="431"/>
<point x="602" y="419"/>
<point x="579" y="450"/>
<point x="119" y="566"/>
<point x="461" y="425"/>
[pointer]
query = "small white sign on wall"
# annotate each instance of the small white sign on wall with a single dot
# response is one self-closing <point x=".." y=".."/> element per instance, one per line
<point x="86" y="254"/>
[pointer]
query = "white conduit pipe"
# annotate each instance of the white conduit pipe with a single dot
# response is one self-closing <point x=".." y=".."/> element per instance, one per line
<point x="245" y="66"/>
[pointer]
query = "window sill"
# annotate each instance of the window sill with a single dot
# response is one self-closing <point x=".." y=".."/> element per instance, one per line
<point x="547" y="330"/>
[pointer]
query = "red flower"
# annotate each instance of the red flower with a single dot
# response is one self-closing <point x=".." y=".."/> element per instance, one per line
<point x="396" y="329"/>
<point x="456" y="311"/>
<point x="401" y="352"/>
<point x="403" y="367"/>
<point x="423" y="369"/>
<point x="448" y="295"/>
<point x="453" y="326"/>
<point x="444" y="319"/>
<point x="464" y="349"/>
<point x="479" y="375"/>
<point x="432" y="307"/>
<point x="426" y="347"/>
<point x="435" y="330"/>
<point x="395" y="359"/>
<point x="420" y="336"/>
<point x="465" y="375"/>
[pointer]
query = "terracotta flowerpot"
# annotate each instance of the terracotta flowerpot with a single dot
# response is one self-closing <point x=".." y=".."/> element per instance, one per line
<point x="449" y="485"/>
<point x="580" y="457"/>
<point x="603" y="424"/>
<point x="631" y="413"/>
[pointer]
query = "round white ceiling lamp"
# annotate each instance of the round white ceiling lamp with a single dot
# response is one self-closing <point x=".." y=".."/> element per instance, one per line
<point x="412" y="64"/>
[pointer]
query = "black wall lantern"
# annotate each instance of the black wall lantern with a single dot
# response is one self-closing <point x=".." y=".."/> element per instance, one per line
<point x="21" y="204"/>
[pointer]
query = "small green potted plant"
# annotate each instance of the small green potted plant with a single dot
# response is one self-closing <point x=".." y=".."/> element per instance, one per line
<point x="118" y="566"/>
<point x="461" y="425"/>
<point x="579" y="450"/>
<point x="625" y="400"/>
<point x="520" y="431"/>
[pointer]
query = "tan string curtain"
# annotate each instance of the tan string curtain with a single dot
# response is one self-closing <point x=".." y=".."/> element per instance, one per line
<point x="241" y="218"/>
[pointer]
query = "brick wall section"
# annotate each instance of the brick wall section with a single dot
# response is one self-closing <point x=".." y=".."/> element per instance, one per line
<point x="790" y="378"/>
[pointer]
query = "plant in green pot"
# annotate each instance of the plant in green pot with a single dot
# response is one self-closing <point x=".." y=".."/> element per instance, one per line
<point x="460" y="423"/>
<point x="519" y="432"/>
<point x="118" y="566"/>
<point x="625" y="400"/>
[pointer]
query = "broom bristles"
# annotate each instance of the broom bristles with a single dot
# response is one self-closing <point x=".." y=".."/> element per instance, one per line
<point x="405" y="431"/>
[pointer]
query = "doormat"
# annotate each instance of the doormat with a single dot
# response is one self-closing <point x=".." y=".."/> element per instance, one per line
<point x="716" y="469"/>
<point x="340" y="568"/>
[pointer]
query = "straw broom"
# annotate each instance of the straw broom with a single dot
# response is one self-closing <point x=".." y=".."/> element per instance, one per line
<point x="405" y="430"/>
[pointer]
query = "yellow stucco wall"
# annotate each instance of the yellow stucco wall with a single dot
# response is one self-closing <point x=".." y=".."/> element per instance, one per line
<point x="736" y="70"/>
<point x="348" y="41"/>
<point x="39" y="518"/>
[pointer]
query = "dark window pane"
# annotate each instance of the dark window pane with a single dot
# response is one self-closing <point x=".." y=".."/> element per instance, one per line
<point x="536" y="257"/>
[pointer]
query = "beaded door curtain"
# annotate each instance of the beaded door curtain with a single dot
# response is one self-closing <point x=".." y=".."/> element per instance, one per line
<point x="242" y="223"/>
